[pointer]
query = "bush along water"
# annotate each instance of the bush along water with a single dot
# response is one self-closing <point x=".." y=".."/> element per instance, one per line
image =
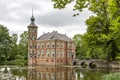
<point x="112" y="76"/>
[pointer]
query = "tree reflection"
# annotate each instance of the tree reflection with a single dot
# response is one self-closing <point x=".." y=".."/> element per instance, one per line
<point x="51" y="73"/>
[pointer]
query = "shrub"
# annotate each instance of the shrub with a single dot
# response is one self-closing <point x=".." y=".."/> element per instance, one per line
<point x="19" y="57"/>
<point x="112" y="76"/>
<point x="117" y="58"/>
<point x="14" y="62"/>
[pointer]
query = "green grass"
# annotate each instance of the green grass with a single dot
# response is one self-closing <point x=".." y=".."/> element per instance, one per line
<point x="14" y="62"/>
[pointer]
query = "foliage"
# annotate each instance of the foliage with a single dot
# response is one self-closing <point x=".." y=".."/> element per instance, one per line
<point x="12" y="52"/>
<point x="103" y="32"/>
<point x="19" y="57"/>
<point x="81" y="48"/>
<point x="5" y="42"/>
<point x="23" y="44"/>
<point x="112" y="76"/>
<point x="14" y="62"/>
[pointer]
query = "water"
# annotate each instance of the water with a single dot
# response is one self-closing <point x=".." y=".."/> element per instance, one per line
<point x="50" y="73"/>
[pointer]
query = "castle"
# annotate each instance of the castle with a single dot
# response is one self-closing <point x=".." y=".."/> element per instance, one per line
<point x="50" y="48"/>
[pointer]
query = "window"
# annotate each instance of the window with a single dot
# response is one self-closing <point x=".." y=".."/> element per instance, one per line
<point x="32" y="55"/>
<point x="34" y="37"/>
<point x="48" y="53"/>
<point x="57" y="60"/>
<point x="42" y="45"/>
<point x="62" y="53"/>
<point x="68" y="55"/>
<point x="48" y="45"/>
<point x="42" y="52"/>
<point x="34" y="46"/>
<point x="73" y="46"/>
<point x="58" y="76"/>
<point x="69" y="46"/>
<point x="58" y="53"/>
<point x="53" y="54"/>
<point x="52" y="60"/>
<point x="62" y="45"/>
<point x="38" y="53"/>
<point x="53" y="76"/>
<point x="62" y="75"/>
<point x="58" y="45"/>
<point x="38" y="45"/>
<point x="52" y="44"/>
<point x="47" y="76"/>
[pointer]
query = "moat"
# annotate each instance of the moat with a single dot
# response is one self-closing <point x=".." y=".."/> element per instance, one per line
<point x="51" y="73"/>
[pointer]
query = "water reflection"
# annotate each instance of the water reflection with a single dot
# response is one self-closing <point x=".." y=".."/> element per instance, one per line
<point x="51" y="73"/>
<point x="12" y="73"/>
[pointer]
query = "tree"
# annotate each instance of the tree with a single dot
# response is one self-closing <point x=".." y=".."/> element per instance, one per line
<point x="23" y="44"/>
<point x="85" y="51"/>
<point x="114" y="14"/>
<point x="103" y="27"/>
<point x="81" y="48"/>
<point x="5" y="43"/>
<point x="14" y="50"/>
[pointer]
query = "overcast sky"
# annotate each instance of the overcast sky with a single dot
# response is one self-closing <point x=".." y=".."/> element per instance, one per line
<point x="16" y="14"/>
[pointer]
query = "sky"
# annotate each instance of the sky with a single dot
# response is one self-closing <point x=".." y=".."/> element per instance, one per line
<point x="16" y="14"/>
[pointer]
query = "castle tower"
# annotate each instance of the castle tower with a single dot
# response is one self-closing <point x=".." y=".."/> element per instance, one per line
<point x="32" y="42"/>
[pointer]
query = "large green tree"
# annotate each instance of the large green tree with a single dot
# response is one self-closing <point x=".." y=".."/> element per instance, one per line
<point x="85" y="51"/>
<point x="14" y="50"/>
<point x="5" y="43"/>
<point x="81" y="48"/>
<point x="23" y="44"/>
<point x="104" y="27"/>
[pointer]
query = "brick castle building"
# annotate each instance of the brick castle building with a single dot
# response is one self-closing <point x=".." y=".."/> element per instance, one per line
<point x="50" y="48"/>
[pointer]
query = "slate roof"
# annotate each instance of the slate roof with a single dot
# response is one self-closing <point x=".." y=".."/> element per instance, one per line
<point x="54" y="35"/>
<point x="32" y="24"/>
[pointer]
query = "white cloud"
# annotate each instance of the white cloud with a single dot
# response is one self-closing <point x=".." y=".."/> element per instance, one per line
<point x="16" y="17"/>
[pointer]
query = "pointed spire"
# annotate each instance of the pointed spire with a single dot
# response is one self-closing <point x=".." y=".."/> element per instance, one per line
<point x="32" y="18"/>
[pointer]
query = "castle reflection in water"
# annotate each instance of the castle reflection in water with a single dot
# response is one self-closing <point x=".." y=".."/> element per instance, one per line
<point x="51" y="73"/>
